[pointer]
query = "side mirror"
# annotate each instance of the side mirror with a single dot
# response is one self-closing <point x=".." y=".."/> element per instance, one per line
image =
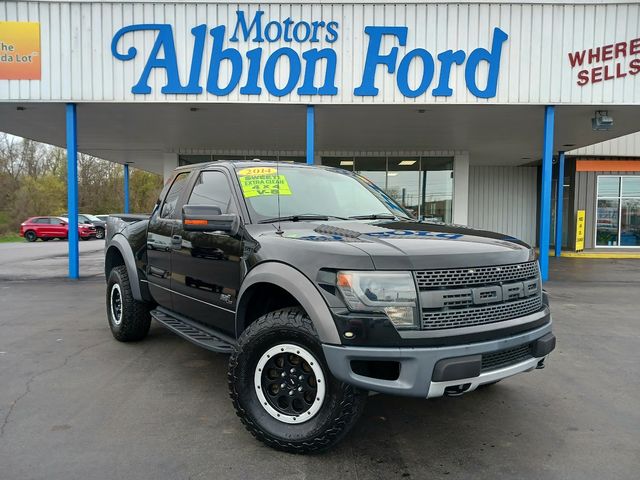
<point x="209" y="218"/>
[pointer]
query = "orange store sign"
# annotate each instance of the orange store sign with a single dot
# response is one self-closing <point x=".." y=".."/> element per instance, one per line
<point x="19" y="51"/>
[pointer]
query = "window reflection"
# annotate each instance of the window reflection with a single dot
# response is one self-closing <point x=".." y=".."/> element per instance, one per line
<point x="630" y="222"/>
<point x="607" y="225"/>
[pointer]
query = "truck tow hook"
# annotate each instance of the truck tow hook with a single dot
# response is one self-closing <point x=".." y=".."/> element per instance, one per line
<point x="540" y="365"/>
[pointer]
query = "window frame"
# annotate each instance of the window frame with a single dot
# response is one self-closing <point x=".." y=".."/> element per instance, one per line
<point x="619" y="199"/>
<point x="178" y="207"/>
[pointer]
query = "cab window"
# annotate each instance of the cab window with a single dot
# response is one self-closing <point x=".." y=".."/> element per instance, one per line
<point x="212" y="188"/>
<point x="171" y="200"/>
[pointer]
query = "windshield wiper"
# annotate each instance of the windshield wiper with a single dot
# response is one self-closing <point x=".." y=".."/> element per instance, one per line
<point x="295" y="218"/>
<point x="375" y="216"/>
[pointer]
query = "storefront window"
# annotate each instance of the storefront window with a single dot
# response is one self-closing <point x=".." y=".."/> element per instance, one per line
<point x="422" y="185"/>
<point x="373" y="168"/>
<point x="618" y="213"/>
<point x="403" y="182"/>
<point x="436" y="189"/>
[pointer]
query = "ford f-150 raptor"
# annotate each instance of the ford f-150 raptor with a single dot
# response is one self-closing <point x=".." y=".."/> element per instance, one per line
<point x="323" y="289"/>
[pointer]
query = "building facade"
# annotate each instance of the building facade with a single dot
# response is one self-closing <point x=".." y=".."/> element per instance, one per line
<point x="455" y="108"/>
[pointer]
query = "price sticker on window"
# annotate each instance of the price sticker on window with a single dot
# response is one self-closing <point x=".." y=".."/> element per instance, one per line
<point x="264" y="185"/>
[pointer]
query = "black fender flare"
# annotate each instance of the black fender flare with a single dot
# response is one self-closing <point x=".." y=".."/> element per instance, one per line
<point x="120" y="243"/>
<point x="302" y="289"/>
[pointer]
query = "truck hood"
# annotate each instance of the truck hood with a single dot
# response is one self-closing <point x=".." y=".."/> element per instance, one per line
<point x="410" y="245"/>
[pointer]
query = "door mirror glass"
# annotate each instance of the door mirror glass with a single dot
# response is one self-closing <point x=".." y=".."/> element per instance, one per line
<point x="209" y="218"/>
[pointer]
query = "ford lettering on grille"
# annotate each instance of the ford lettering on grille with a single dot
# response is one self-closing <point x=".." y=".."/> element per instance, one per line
<point x="479" y="295"/>
<point x="476" y="296"/>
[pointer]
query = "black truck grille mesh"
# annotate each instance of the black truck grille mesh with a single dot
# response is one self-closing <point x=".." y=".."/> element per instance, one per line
<point x="469" y="277"/>
<point x="496" y="360"/>
<point x="468" y="317"/>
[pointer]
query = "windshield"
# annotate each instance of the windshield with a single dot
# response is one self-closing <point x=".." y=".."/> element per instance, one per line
<point x="308" y="192"/>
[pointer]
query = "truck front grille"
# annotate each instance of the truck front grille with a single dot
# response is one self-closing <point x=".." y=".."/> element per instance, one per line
<point x="467" y="297"/>
<point x="469" y="277"/>
<point x="504" y="358"/>
<point x="468" y="317"/>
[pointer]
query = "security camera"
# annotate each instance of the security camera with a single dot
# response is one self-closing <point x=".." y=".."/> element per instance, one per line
<point x="601" y="121"/>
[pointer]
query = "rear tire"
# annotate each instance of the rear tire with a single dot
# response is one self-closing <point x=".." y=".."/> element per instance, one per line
<point x="45" y="239"/>
<point x="128" y="318"/>
<point x="30" y="235"/>
<point x="313" y="411"/>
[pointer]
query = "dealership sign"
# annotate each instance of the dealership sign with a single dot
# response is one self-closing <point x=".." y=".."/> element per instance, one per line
<point x="263" y="70"/>
<point x="599" y="64"/>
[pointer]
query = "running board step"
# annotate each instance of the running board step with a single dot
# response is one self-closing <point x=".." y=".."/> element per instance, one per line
<point x="194" y="332"/>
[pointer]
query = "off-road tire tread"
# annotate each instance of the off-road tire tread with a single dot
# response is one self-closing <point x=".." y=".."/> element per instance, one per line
<point x="136" y="319"/>
<point x="350" y="408"/>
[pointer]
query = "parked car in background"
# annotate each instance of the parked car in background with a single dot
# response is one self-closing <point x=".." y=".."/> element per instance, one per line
<point x="103" y="217"/>
<point x="48" y="228"/>
<point x="100" y="224"/>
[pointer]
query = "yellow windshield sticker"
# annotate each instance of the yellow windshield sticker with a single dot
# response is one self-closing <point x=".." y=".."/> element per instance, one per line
<point x="263" y="185"/>
<point x="257" y="171"/>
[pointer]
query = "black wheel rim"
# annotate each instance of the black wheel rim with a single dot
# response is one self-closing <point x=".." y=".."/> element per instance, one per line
<point x="289" y="384"/>
<point x="116" y="304"/>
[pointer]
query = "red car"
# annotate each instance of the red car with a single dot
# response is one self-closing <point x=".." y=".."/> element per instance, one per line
<point x="47" y="228"/>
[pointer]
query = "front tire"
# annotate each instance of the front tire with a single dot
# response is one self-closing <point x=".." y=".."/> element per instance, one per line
<point x="129" y="319"/>
<point x="30" y="235"/>
<point x="282" y="389"/>
<point x="99" y="233"/>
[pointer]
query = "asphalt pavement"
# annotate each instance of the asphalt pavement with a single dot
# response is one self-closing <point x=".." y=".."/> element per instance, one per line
<point x="76" y="404"/>
<point x="27" y="261"/>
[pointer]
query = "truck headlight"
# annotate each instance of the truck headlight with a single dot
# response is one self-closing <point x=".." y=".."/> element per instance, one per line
<point x="391" y="293"/>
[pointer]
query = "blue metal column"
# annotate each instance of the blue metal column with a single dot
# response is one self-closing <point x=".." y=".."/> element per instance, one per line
<point x="126" y="188"/>
<point x="310" y="134"/>
<point x="559" y="200"/>
<point x="545" y="191"/>
<point x="72" y="190"/>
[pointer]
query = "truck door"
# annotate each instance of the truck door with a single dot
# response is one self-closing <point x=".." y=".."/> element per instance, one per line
<point x="206" y="268"/>
<point x="160" y="243"/>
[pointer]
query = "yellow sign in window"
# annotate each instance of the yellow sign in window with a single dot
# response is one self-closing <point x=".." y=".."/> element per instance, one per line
<point x="19" y="51"/>
<point x="263" y="185"/>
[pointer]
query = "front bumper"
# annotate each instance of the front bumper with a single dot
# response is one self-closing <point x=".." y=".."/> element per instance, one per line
<point x="458" y="366"/>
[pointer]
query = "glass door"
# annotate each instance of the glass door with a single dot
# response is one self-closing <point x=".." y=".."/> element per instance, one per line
<point x="618" y="212"/>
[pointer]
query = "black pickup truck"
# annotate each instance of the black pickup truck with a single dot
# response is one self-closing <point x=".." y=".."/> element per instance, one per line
<point x="323" y="289"/>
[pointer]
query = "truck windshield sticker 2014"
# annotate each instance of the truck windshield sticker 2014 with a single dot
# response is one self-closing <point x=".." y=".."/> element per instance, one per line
<point x="386" y="48"/>
<point x="263" y="185"/>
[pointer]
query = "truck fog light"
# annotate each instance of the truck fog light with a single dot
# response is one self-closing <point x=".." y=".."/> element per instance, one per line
<point x="401" y="316"/>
